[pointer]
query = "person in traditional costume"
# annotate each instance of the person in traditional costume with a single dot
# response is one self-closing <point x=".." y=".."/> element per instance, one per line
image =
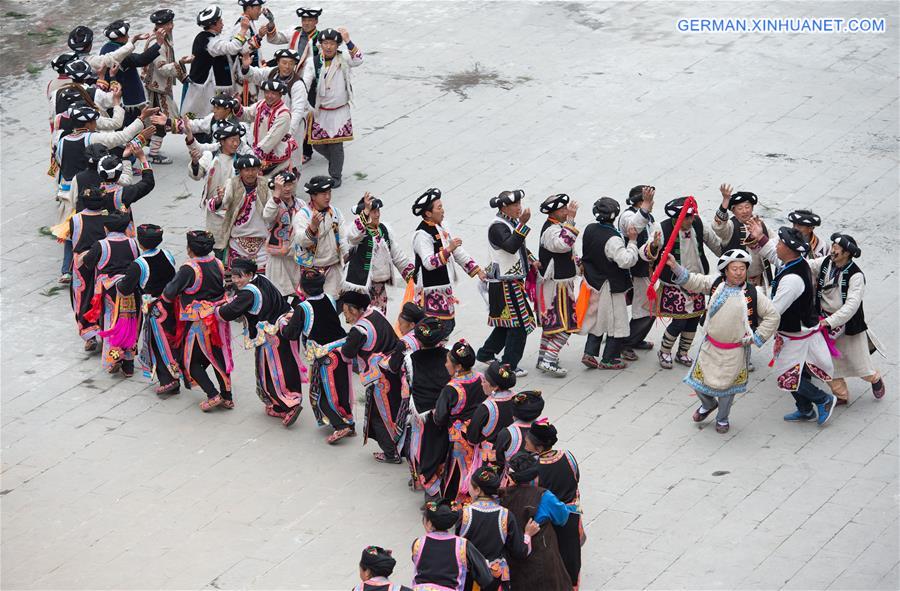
<point x="305" y="41"/>
<point x="494" y="415"/>
<point x="544" y="568"/>
<point x="197" y="288"/>
<point x="442" y="560"/>
<point x="79" y="84"/>
<point x="840" y="289"/>
<point x="81" y="41"/>
<point x="211" y="68"/>
<point x="244" y="231"/>
<point x="145" y="278"/>
<point x="640" y="204"/>
<point x="526" y="408"/>
<point x="805" y="222"/>
<point x="606" y="261"/>
<point x="556" y="281"/>
<point x="270" y="126"/>
<point x="217" y="169"/>
<point x="282" y="269"/>
<point x="126" y="73"/>
<point x="160" y="77"/>
<point x="410" y="315"/>
<point x="119" y="316"/>
<point x="198" y="133"/>
<point x="89" y="177"/>
<point x="493" y="529"/>
<point x="118" y="195"/>
<point x="316" y="324"/>
<point x="558" y="473"/>
<point x="801" y="350"/>
<point x="734" y="234"/>
<point x="252" y="10"/>
<point x="374" y="254"/>
<point x="370" y="342"/>
<point x="319" y="242"/>
<point x="71" y="157"/>
<point x="330" y="124"/>
<point x="453" y="411"/>
<point x="509" y="312"/>
<point x="435" y="250"/>
<point x="277" y="359"/>
<point x="86" y="228"/>
<point x="739" y="315"/>
<point x="427" y="441"/>
<point x="684" y="308"/>
<point x="375" y="566"/>
<point x="296" y="80"/>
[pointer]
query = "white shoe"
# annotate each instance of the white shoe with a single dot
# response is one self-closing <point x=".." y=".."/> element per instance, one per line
<point x="553" y="368"/>
<point x="521" y="373"/>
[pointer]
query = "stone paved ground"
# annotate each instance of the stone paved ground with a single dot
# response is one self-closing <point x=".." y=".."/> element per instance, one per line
<point x="106" y="486"/>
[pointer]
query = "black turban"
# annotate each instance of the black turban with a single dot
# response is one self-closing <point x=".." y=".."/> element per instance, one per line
<point x="287" y="175"/>
<point x="487" y="479"/>
<point x="330" y="35"/>
<point x="528" y="405"/>
<point x="847" y="242"/>
<point x="793" y="239"/>
<point x="359" y="207"/>
<point x="356" y="299"/>
<point x="149" y="235"/>
<point x="674" y="207"/>
<point x="500" y="375"/>
<point x="742" y="197"/>
<point x="378" y="561"/>
<point x="117" y="221"/>
<point x="93" y="198"/>
<point x="442" y="514"/>
<point x="319" y="184"/>
<point x="507" y="198"/>
<point x="411" y="312"/>
<point x="312" y="283"/>
<point x="80" y="38"/>
<point x="429" y="332"/>
<point x="543" y="433"/>
<point x="463" y="354"/>
<point x="636" y="194"/>
<point x="116" y="29"/>
<point x="523" y="467"/>
<point x="162" y="16"/>
<point x="288" y="53"/>
<point x="275" y="85"/>
<point x="247" y="161"/>
<point x="424" y="201"/>
<point x="244" y="266"/>
<point x="554" y="203"/>
<point x="200" y="242"/>
<point x="605" y="209"/>
<point x="309" y="12"/>
<point x="804" y="217"/>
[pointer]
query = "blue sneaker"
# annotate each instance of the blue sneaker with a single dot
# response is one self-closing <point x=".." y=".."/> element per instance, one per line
<point x="799" y="416"/>
<point x="826" y="409"/>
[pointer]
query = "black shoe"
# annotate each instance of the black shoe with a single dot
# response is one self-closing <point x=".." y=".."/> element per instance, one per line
<point x="335" y="182"/>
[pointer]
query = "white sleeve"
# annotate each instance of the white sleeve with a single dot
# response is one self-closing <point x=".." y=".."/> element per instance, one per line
<point x="220" y="45"/>
<point x="423" y="246"/>
<point x="255" y="75"/>
<point x="624" y="256"/>
<point x="108" y="60"/>
<point x="202" y="166"/>
<point x="112" y="123"/>
<point x="856" y="289"/>
<point x="103" y="98"/>
<point x="111" y="139"/>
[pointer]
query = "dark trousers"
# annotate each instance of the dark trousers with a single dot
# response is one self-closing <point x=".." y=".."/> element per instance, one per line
<point x="680" y="325"/>
<point x="334" y="153"/>
<point x="509" y="340"/>
<point x="808" y="394"/>
<point x="379" y="432"/>
<point x="199" y="364"/>
<point x="307" y="149"/>
<point x="639" y="328"/>
<point x="611" y="351"/>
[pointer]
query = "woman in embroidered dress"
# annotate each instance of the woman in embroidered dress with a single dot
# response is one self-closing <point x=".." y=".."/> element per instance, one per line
<point x="739" y="315"/>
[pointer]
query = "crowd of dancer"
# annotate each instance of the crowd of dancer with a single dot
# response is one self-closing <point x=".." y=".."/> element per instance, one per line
<point x="502" y="507"/>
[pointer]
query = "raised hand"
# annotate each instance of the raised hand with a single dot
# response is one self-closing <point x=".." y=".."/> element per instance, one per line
<point x="526" y="215"/>
<point x="726" y="190"/>
<point x="454" y="244"/>
<point x="631" y="233"/>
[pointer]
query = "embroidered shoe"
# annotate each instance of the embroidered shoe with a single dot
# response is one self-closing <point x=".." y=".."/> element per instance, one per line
<point x="291" y="416"/>
<point x="797" y="416"/>
<point x="826" y="410"/>
<point x="90" y="345"/>
<point x="590" y="362"/>
<point x="65" y="279"/>
<point x="665" y="359"/>
<point x="722" y="427"/>
<point x="629" y="355"/>
<point x="170" y="388"/>
<point x="210" y="403"/>
<point x="684" y="359"/>
<point x="878" y="389"/>
<point x="699" y="416"/>
<point x="274" y="413"/>
<point x="612" y="364"/>
<point x="553" y="368"/>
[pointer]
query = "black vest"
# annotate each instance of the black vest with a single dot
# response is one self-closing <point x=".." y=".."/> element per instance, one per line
<point x="438" y="562"/>
<point x="598" y="269"/>
<point x="563" y="263"/>
<point x="558" y="475"/>
<point x="271" y="306"/>
<point x="160" y="272"/>
<point x="211" y="282"/>
<point x="429" y="377"/>
<point x="642" y="267"/>
<point x="802" y="311"/>
<point x="120" y="253"/>
<point x="667" y="226"/>
<point x="128" y="77"/>
<point x="857" y="322"/>
<point x="440" y="275"/>
<point x="481" y="526"/>
<point x="360" y="263"/>
<point x="203" y="62"/>
<point x="73" y="157"/>
<point x="326" y="326"/>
